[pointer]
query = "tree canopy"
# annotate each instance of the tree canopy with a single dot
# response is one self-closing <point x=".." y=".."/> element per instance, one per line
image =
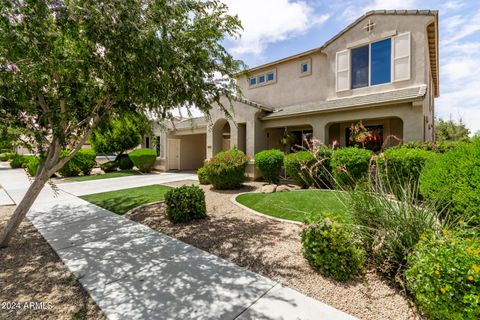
<point x="65" y="64"/>
<point x="120" y="133"/>
<point x="451" y="130"/>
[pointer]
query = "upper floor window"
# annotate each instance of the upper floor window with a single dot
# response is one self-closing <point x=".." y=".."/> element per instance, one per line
<point x="376" y="63"/>
<point x="305" y="68"/>
<point x="262" y="79"/>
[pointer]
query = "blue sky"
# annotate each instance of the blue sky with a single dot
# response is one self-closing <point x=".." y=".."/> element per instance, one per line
<point x="275" y="29"/>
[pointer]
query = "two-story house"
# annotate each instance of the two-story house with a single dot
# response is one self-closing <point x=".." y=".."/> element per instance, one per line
<point x="382" y="70"/>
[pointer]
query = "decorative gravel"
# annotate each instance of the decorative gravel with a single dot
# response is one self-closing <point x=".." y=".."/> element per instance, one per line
<point x="30" y="271"/>
<point x="273" y="249"/>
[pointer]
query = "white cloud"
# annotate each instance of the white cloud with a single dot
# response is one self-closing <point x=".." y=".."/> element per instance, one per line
<point x="269" y="21"/>
<point x="459" y="27"/>
<point x="391" y="4"/>
<point x="452" y="5"/>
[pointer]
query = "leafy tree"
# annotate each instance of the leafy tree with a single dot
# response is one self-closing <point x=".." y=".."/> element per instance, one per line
<point x="9" y="138"/>
<point x="65" y="64"/>
<point x="450" y="130"/>
<point x="120" y="133"/>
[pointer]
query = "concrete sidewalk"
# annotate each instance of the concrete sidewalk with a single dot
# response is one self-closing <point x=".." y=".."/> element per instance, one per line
<point x="134" y="272"/>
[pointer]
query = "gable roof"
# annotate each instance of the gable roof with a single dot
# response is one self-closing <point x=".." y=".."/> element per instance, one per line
<point x="432" y="38"/>
<point x="382" y="98"/>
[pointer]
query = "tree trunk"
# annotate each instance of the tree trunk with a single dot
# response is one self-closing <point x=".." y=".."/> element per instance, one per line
<point x="22" y="209"/>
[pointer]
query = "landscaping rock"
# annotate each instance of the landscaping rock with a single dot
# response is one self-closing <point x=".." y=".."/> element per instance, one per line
<point x="287" y="187"/>
<point x="269" y="188"/>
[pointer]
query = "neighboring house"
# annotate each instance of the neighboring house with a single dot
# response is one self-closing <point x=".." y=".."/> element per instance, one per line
<point x="381" y="70"/>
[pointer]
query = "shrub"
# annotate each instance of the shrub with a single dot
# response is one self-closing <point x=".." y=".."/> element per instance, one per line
<point x="399" y="166"/>
<point x="203" y="175"/>
<point x="81" y="163"/>
<point x="109" y="166"/>
<point x="6" y="156"/>
<point x="453" y="180"/>
<point x="18" y="161"/>
<point x="443" y="275"/>
<point x="297" y="165"/>
<point x="124" y="162"/>
<point x="185" y="203"/>
<point x="227" y="169"/>
<point x="438" y="147"/>
<point x="270" y="162"/>
<point x="144" y="159"/>
<point x="32" y="165"/>
<point x="390" y="228"/>
<point x="333" y="249"/>
<point x="350" y="165"/>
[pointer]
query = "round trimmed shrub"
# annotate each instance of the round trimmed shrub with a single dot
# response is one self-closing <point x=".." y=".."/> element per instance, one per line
<point x="185" y="204"/>
<point x="144" y="159"/>
<point x="400" y="166"/>
<point x="227" y="169"/>
<point x="270" y="162"/>
<point x="110" y="166"/>
<point x="297" y="164"/>
<point x="81" y="163"/>
<point x="453" y="181"/>
<point x="18" y="161"/>
<point x="124" y="162"/>
<point x="203" y="175"/>
<point x="443" y="275"/>
<point x="350" y="165"/>
<point x="332" y="249"/>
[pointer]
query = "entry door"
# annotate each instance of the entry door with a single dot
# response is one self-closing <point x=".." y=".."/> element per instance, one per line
<point x="173" y="154"/>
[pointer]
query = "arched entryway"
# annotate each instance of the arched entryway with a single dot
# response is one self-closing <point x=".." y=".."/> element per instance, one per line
<point x="221" y="136"/>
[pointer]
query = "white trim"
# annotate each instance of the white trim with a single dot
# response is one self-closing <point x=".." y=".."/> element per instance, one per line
<point x="347" y="70"/>
<point x="308" y="62"/>
<point x="408" y="55"/>
<point x="266" y="82"/>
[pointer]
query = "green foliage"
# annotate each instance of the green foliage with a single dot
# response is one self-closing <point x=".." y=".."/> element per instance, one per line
<point x="82" y="163"/>
<point x="109" y="166"/>
<point x="453" y="180"/>
<point x="19" y="161"/>
<point x="333" y="249"/>
<point x="120" y="133"/>
<point x="124" y="162"/>
<point x="450" y="130"/>
<point x="32" y="165"/>
<point x="227" y="169"/>
<point x="401" y="166"/>
<point x="185" y="203"/>
<point x="6" y="156"/>
<point x="443" y="275"/>
<point x="350" y="165"/>
<point x="438" y="147"/>
<point x="203" y="175"/>
<point x="270" y="162"/>
<point x="144" y="159"/>
<point x="391" y="228"/>
<point x="297" y="165"/>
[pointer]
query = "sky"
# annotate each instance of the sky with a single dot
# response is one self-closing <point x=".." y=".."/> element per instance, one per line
<point x="273" y="29"/>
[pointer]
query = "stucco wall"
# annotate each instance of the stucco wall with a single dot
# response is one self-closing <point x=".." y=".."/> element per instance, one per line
<point x="192" y="150"/>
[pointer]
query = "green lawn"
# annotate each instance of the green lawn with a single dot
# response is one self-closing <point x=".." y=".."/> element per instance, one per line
<point x="295" y="205"/>
<point x="117" y="174"/>
<point x="123" y="200"/>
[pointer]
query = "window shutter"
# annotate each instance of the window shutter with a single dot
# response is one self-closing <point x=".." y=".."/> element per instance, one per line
<point x="343" y="70"/>
<point x="401" y="53"/>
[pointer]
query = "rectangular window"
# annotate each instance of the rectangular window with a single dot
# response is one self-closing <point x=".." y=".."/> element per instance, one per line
<point x="158" y="146"/>
<point x="253" y="81"/>
<point x="380" y="61"/>
<point x="359" y="61"/>
<point x="261" y="79"/>
<point x="270" y="76"/>
<point x="304" y="67"/>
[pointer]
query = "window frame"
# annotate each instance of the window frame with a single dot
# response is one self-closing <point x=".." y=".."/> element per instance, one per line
<point x="307" y="62"/>
<point x="265" y="82"/>
<point x="347" y="70"/>
<point x="409" y="51"/>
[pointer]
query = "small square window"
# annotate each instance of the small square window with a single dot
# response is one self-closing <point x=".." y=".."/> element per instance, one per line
<point x="270" y="76"/>
<point x="304" y="67"/>
<point x="261" y="79"/>
<point x="253" y="81"/>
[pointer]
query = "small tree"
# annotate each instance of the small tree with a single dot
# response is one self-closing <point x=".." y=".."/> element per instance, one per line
<point x="65" y="64"/>
<point x="451" y="130"/>
<point x="120" y="133"/>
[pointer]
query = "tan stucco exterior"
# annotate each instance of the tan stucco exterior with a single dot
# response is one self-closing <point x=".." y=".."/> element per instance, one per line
<point x="258" y="121"/>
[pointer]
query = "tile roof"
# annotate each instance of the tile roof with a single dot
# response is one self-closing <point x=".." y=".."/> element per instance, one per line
<point x="399" y="95"/>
